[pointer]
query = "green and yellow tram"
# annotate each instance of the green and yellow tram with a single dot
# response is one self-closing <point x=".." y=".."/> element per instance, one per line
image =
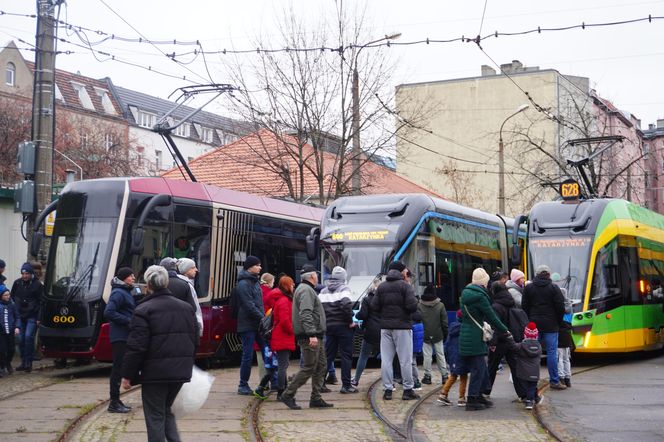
<point x="610" y="255"/>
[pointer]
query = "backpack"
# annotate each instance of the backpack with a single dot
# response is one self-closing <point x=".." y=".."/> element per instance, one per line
<point x="517" y="319"/>
<point x="234" y="302"/>
<point x="266" y="325"/>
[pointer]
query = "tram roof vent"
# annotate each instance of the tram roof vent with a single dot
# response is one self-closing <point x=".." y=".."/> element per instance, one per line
<point x="391" y="209"/>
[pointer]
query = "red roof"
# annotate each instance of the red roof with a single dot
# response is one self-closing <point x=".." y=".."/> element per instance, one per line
<point x="248" y="165"/>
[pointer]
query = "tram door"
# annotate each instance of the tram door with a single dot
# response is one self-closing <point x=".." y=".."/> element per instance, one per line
<point x="426" y="258"/>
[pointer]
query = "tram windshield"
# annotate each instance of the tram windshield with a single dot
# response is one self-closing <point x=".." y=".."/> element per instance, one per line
<point x="568" y="256"/>
<point x="361" y="262"/>
<point x="79" y="257"/>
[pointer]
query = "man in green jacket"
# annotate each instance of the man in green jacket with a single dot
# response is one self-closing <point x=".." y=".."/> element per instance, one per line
<point x="475" y="309"/>
<point x="309" y="328"/>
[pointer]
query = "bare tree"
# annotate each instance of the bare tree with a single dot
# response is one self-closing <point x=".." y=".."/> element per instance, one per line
<point x="460" y="183"/>
<point x="304" y="99"/>
<point x="15" y="120"/>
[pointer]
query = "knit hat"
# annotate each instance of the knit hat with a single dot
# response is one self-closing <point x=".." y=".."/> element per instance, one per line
<point x="459" y="314"/>
<point x="530" y="332"/>
<point x="516" y="274"/>
<point x="250" y="262"/>
<point x="429" y="293"/>
<point x="27" y="268"/>
<point x="124" y="273"/>
<point x="542" y="269"/>
<point x="338" y="274"/>
<point x="3" y="289"/>
<point x="555" y="277"/>
<point x="169" y="264"/>
<point x="185" y="264"/>
<point x="480" y="277"/>
<point x="397" y="265"/>
<point x="3" y="264"/>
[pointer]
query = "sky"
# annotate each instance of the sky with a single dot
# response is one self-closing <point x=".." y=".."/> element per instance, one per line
<point x="624" y="63"/>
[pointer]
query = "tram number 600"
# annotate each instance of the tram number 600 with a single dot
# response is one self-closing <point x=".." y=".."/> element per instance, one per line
<point x="64" y="319"/>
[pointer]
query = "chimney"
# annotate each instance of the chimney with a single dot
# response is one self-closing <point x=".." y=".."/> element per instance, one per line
<point x="660" y="123"/>
<point x="516" y="65"/>
<point x="71" y="175"/>
<point x="487" y="71"/>
<point x="652" y="126"/>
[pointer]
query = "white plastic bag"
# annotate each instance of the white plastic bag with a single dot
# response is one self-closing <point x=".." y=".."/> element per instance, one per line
<point x="193" y="394"/>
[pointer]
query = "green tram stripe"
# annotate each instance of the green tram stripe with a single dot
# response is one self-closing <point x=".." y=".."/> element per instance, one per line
<point x="621" y="209"/>
<point x="628" y="317"/>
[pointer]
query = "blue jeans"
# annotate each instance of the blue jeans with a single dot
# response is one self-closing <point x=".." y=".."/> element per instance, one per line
<point x="365" y="353"/>
<point x="479" y="374"/>
<point x="248" y="338"/>
<point x="339" y="338"/>
<point x="550" y="342"/>
<point x="26" y="341"/>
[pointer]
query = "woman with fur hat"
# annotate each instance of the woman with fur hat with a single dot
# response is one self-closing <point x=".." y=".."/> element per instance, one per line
<point x="476" y="309"/>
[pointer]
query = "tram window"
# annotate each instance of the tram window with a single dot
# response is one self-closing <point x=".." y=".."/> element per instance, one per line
<point x="194" y="243"/>
<point x="605" y="279"/>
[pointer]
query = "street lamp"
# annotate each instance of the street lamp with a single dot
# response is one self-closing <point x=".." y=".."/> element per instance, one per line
<point x="501" y="162"/>
<point x="356" y="180"/>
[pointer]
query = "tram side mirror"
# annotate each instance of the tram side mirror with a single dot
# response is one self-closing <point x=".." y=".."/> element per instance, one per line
<point x="137" y="242"/>
<point x="37" y="238"/>
<point x="516" y="255"/>
<point x="312" y="243"/>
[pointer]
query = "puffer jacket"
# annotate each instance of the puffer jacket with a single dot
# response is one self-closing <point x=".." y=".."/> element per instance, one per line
<point x="452" y="350"/>
<point x="9" y="317"/>
<point x="544" y="304"/>
<point x="250" y="302"/>
<point x="337" y="304"/>
<point x="502" y="302"/>
<point x="370" y="320"/>
<point x="395" y="302"/>
<point x="516" y="291"/>
<point x="528" y="354"/>
<point x="119" y="310"/>
<point x="565" y="339"/>
<point x="308" y="313"/>
<point x="162" y="340"/>
<point x="283" y="337"/>
<point x="27" y="296"/>
<point x="475" y="301"/>
<point x="434" y="317"/>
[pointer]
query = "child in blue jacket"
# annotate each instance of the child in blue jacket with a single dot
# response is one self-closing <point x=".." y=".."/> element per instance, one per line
<point x="457" y="370"/>
<point x="9" y="320"/>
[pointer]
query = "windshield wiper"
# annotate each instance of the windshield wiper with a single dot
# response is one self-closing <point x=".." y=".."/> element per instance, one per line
<point x="87" y="275"/>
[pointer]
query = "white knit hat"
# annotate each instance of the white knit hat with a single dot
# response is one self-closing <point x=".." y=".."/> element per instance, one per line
<point x="480" y="277"/>
<point x="338" y="274"/>
<point x="185" y="264"/>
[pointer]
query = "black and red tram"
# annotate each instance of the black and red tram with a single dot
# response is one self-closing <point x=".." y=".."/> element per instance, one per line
<point x="104" y="224"/>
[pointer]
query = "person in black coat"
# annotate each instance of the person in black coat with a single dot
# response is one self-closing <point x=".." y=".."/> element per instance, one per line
<point x="249" y="315"/>
<point x="176" y="285"/>
<point x="160" y="353"/>
<point x="118" y="312"/>
<point x="544" y="304"/>
<point x="27" y="292"/>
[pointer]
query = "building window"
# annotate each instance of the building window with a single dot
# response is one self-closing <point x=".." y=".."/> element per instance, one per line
<point x="146" y="119"/>
<point x="207" y="135"/>
<point x="182" y="130"/>
<point x="158" y="159"/>
<point x="109" y="141"/>
<point x="84" y="139"/>
<point x="10" y="76"/>
<point x="106" y="101"/>
<point x="83" y="96"/>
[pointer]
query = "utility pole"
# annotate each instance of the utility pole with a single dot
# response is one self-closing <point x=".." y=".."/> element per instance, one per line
<point x="43" y="111"/>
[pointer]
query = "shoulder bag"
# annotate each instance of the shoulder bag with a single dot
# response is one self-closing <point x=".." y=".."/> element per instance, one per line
<point x="487" y="331"/>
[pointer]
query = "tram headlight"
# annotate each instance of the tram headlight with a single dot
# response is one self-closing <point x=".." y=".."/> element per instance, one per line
<point x="586" y="339"/>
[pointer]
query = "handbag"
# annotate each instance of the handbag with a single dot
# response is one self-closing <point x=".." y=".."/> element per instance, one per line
<point x="487" y="331"/>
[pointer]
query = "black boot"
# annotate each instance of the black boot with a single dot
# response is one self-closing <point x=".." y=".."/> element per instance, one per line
<point x="279" y="394"/>
<point x="128" y="407"/>
<point x="117" y="407"/>
<point x="474" y="404"/>
<point x="568" y="382"/>
<point x="483" y="400"/>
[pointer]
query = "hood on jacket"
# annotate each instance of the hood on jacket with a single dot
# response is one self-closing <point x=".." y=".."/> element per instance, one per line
<point x="430" y="304"/>
<point x="393" y="275"/>
<point x="531" y="347"/>
<point x="473" y="293"/>
<point x="335" y="285"/>
<point x="502" y="296"/>
<point x="246" y="275"/>
<point x="455" y="329"/>
<point x="542" y="282"/>
<point x="118" y="283"/>
<point x="513" y="285"/>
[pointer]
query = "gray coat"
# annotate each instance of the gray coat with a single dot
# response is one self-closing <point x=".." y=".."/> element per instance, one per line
<point x="250" y="302"/>
<point x="528" y="355"/>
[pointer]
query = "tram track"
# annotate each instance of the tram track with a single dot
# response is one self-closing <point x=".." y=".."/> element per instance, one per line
<point x="253" y="420"/>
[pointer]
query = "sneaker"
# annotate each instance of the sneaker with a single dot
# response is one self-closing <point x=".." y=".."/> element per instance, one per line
<point x="529" y="405"/>
<point x="539" y="400"/>
<point x="387" y="395"/>
<point x="260" y="393"/>
<point x="426" y="379"/>
<point x="354" y="383"/>
<point x="244" y="390"/>
<point x="331" y="379"/>
<point x="461" y="402"/>
<point x="348" y="390"/>
<point x="324" y="389"/>
<point x="557" y="386"/>
<point x="409" y="395"/>
<point x="417" y="385"/>
<point x="290" y="402"/>
<point x="568" y="382"/>
<point x="443" y="400"/>
<point x="320" y="403"/>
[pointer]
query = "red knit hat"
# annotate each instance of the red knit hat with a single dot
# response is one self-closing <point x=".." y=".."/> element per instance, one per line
<point x="458" y="314"/>
<point x="530" y="332"/>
